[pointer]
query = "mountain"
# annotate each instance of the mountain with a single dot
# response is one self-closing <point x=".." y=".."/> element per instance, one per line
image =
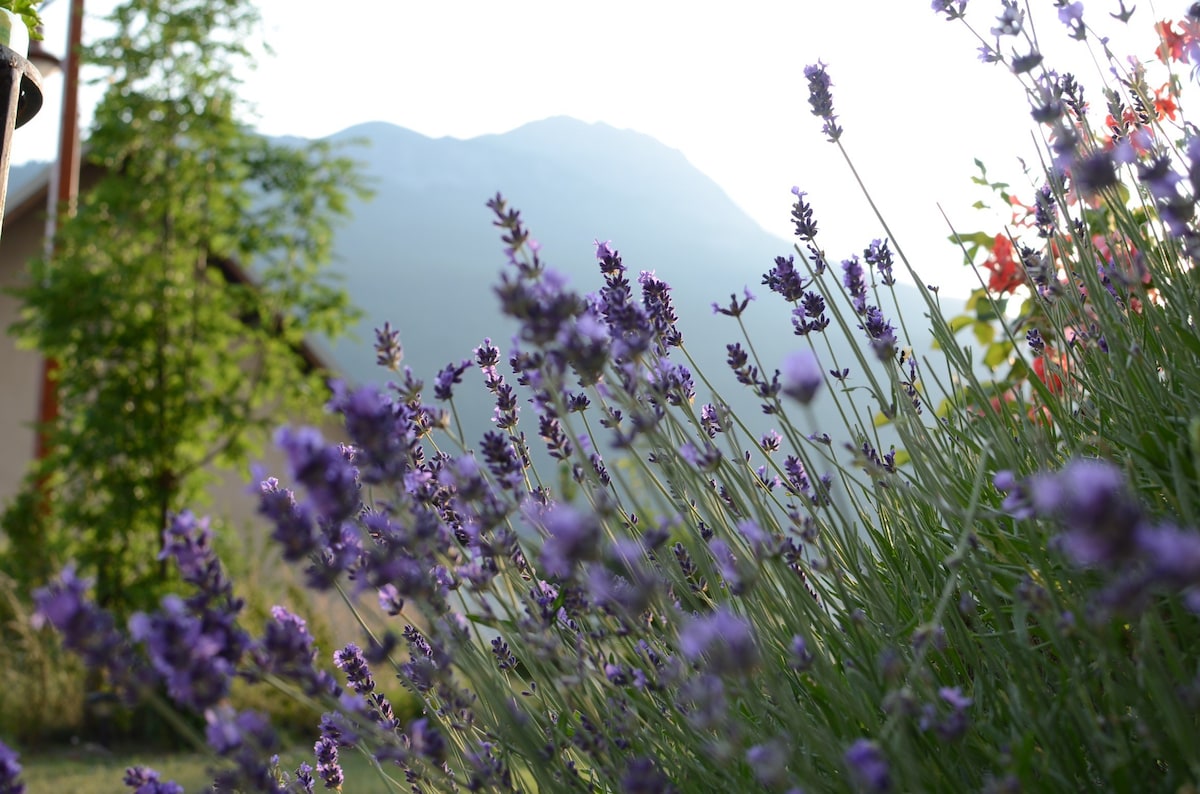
<point x="423" y="254"/>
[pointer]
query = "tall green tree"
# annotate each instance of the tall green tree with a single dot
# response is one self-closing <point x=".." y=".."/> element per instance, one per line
<point x="169" y="363"/>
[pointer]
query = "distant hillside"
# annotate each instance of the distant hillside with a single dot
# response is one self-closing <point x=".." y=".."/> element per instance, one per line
<point x="423" y="253"/>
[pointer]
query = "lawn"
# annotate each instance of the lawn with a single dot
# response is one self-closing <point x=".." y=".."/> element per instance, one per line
<point x="83" y="772"/>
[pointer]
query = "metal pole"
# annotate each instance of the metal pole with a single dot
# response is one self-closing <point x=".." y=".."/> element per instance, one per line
<point x="64" y="190"/>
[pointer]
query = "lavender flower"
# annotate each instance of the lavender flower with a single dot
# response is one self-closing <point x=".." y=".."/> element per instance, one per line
<point x="879" y="257"/>
<point x="329" y="767"/>
<point x="144" y="780"/>
<point x="768" y="762"/>
<point x="821" y="100"/>
<point x="953" y="9"/>
<point x="868" y="766"/>
<point x="195" y="654"/>
<point x="802" y="376"/>
<point x="855" y="283"/>
<point x="1099" y="513"/>
<point x="572" y="537"/>
<point x="388" y="350"/>
<point x="324" y="470"/>
<point x="784" y="278"/>
<point x="642" y="776"/>
<point x="288" y="650"/>
<point x="10" y="771"/>
<point x="724" y="641"/>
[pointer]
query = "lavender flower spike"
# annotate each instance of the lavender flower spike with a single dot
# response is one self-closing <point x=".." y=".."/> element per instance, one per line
<point x="822" y="100"/>
<point x="802" y="376"/>
<point x="10" y="771"/>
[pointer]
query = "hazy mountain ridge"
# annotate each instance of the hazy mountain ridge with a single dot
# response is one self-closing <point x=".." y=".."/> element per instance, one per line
<point x="423" y="255"/>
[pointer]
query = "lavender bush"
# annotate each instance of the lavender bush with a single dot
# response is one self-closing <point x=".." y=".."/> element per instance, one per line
<point x="1005" y="600"/>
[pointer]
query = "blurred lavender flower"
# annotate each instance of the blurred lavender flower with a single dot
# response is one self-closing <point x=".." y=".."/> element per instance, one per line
<point x="144" y="780"/>
<point x="288" y="650"/>
<point x="868" y="766"/>
<point x="10" y="771"/>
<point x="324" y="470"/>
<point x="802" y="376"/>
<point x="88" y="630"/>
<point x="1099" y="513"/>
<point x="196" y="657"/>
<point x="953" y="9"/>
<point x="245" y="737"/>
<point x="721" y="639"/>
<point x="1010" y="20"/>
<point x="1071" y="15"/>
<point x="768" y="762"/>
<point x="572" y="537"/>
<point x="642" y="776"/>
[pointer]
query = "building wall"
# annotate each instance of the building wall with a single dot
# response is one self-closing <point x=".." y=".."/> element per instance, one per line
<point x="20" y="370"/>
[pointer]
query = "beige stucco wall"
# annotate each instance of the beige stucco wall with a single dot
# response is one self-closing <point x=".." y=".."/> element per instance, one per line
<point x="20" y="370"/>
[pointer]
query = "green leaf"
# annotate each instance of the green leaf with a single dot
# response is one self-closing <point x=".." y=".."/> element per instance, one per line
<point x="984" y="332"/>
<point x="997" y="353"/>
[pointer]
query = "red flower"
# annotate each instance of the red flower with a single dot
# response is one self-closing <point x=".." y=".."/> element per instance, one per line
<point x="1171" y="46"/>
<point x="1006" y="272"/>
<point x="1053" y="382"/>
<point x="1164" y="103"/>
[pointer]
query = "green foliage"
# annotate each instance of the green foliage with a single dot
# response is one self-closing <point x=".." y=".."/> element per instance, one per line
<point x="28" y="11"/>
<point x="177" y="299"/>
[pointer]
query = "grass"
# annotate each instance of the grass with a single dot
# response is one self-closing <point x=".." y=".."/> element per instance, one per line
<point x="87" y="771"/>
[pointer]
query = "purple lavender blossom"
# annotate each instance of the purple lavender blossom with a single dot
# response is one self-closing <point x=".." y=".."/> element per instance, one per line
<point x="784" y="279"/>
<point x="10" y="771"/>
<point x="1010" y="21"/>
<point x="724" y="641"/>
<point x="856" y="284"/>
<point x="879" y="256"/>
<point x="144" y="780"/>
<point x="880" y="332"/>
<point x="802" y="376"/>
<point x="245" y="737"/>
<point x="388" y="350"/>
<point x="1071" y="15"/>
<point x="294" y="528"/>
<point x="802" y="217"/>
<point x="821" y="100"/>
<point x="288" y="650"/>
<point x="324" y="470"/>
<point x="88" y="630"/>
<point x="572" y="537"/>
<point x="329" y="767"/>
<point x="642" y="776"/>
<point x="447" y="377"/>
<point x="656" y="299"/>
<point x="1099" y="513"/>
<point x="868" y="766"/>
<point x="196" y="655"/>
<point x="768" y="762"/>
<point x="953" y="9"/>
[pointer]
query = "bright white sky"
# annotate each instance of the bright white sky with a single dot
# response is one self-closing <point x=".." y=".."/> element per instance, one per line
<point x="721" y="82"/>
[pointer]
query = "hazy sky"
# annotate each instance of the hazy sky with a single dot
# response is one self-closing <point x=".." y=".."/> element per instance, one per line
<point x="721" y="82"/>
